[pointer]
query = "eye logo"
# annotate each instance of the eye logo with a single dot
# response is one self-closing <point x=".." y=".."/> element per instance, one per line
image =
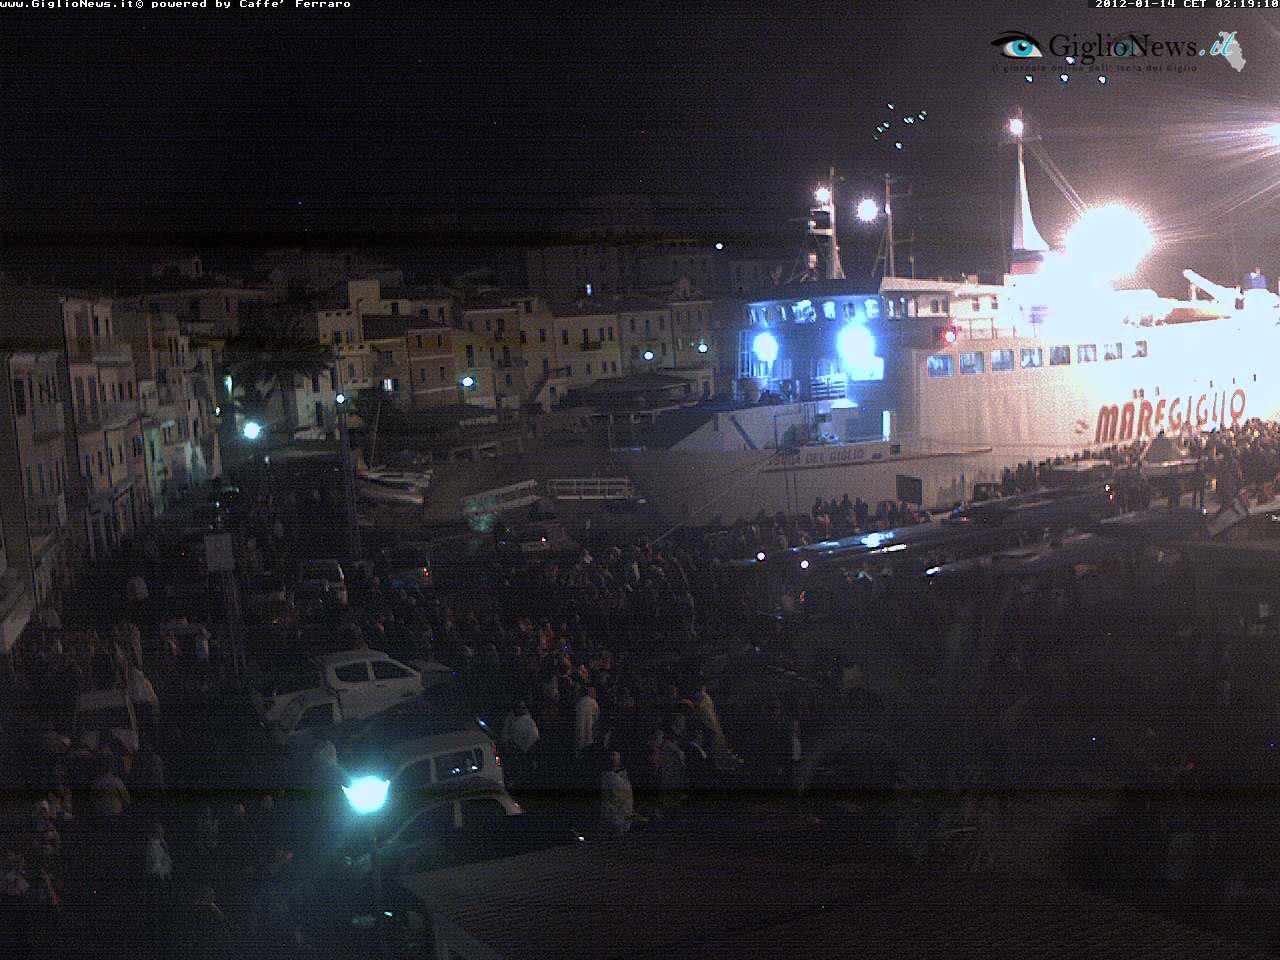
<point x="1018" y="46"/>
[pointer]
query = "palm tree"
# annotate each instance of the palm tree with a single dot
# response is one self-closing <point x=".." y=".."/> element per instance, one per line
<point x="264" y="363"/>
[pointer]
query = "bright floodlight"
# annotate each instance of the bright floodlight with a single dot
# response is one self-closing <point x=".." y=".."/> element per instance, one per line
<point x="648" y="354"/>
<point x="468" y="382"/>
<point x="340" y="398"/>
<point x="252" y="430"/>
<point x="1107" y="243"/>
<point x="765" y="347"/>
<point x="702" y="348"/>
<point x="719" y="246"/>
<point x="367" y="794"/>
<point x="1015" y="126"/>
<point x="822" y="194"/>
<point x="855" y="346"/>
<point x="868" y="210"/>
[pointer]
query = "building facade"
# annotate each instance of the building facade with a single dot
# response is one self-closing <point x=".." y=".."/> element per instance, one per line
<point x="34" y="475"/>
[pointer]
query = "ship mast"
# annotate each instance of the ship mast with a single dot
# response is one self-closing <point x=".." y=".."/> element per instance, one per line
<point x="1028" y="246"/>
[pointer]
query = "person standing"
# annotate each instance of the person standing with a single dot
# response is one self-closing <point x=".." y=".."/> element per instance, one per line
<point x="584" y="725"/>
<point x="617" y="802"/>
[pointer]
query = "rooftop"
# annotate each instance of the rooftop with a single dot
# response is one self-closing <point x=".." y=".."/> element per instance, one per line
<point x="796" y="895"/>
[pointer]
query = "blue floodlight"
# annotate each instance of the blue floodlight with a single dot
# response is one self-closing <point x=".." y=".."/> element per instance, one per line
<point x="765" y="347"/>
<point x="468" y="382"/>
<point x="252" y="430"/>
<point x="648" y="354"/>
<point x="702" y="348"/>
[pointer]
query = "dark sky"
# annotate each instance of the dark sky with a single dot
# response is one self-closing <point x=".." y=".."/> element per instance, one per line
<point x="420" y="119"/>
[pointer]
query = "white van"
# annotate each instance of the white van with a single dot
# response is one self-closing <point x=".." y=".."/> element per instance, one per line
<point x="466" y="755"/>
<point x="106" y="711"/>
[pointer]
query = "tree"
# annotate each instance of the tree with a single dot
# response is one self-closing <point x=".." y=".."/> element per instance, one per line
<point x="261" y="364"/>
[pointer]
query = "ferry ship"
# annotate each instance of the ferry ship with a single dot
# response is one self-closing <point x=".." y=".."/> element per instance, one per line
<point x="919" y="389"/>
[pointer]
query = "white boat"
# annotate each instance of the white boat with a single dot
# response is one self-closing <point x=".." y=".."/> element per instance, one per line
<point x="922" y="388"/>
<point x="393" y="486"/>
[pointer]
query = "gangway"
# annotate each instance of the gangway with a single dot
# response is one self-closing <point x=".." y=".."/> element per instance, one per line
<point x="591" y="488"/>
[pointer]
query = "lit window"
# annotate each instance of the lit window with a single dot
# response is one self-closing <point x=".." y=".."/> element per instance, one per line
<point x="940" y="365"/>
<point x="1112" y="351"/>
<point x="972" y="363"/>
<point x="1059" y="356"/>
<point x="1139" y="348"/>
<point x="1031" y="357"/>
<point x="1001" y="360"/>
<point x="829" y="309"/>
<point x="1086" y="353"/>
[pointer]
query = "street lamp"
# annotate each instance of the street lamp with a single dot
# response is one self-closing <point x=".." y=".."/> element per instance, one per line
<point x="1015" y="126"/>
<point x="367" y="795"/>
<point x="648" y="354"/>
<point x="702" y="347"/>
<point x="251" y="430"/>
<point x="468" y="382"/>
<point x="348" y="478"/>
<point x="822" y="195"/>
<point x="868" y="210"/>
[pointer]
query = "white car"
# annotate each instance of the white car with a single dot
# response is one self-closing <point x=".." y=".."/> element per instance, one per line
<point x="423" y="840"/>
<point x="365" y="682"/>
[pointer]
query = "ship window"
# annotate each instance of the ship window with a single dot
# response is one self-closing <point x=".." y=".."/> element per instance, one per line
<point x="1112" y="351"/>
<point x="972" y="362"/>
<point x="977" y="304"/>
<point x="995" y="303"/>
<point x="940" y="366"/>
<point x="829" y="309"/>
<point x="935" y="306"/>
<point x="1139" y="348"/>
<point x="1086" y="353"/>
<point x="1059" y="356"/>
<point x="1032" y="357"/>
<point x="1001" y="360"/>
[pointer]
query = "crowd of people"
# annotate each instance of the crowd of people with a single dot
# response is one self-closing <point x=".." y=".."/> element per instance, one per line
<point x="581" y="661"/>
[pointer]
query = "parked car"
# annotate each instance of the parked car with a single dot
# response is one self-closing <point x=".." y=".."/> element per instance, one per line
<point x="421" y="754"/>
<point x="365" y="682"/>
<point x="472" y="827"/>
<point x="106" y="711"/>
<point x="330" y="571"/>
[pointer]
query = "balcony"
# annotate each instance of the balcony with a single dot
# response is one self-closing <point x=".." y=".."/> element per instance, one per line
<point x="101" y="350"/>
<point x="47" y="421"/>
<point x="112" y="413"/>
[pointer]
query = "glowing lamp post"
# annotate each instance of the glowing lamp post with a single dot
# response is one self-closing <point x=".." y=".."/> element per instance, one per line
<point x="868" y="210"/>
<point x="1016" y="126"/>
<point x="251" y="430"/>
<point x="348" y="478"/>
<point x="368" y="795"/>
